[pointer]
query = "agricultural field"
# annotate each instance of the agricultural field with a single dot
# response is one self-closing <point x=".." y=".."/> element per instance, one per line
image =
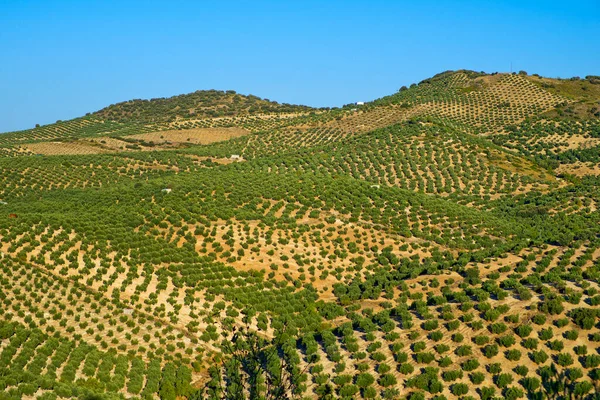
<point x="442" y="242"/>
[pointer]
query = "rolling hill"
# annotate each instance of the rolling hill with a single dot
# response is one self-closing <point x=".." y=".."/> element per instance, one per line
<point x="440" y="242"/>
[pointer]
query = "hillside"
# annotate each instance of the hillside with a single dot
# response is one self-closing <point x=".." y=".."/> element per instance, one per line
<point x="440" y="242"/>
<point x="198" y="105"/>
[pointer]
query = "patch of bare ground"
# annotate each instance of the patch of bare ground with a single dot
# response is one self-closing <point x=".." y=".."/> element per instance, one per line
<point x="216" y="160"/>
<point x="575" y="141"/>
<point x="65" y="148"/>
<point x="196" y="135"/>
<point x="579" y="169"/>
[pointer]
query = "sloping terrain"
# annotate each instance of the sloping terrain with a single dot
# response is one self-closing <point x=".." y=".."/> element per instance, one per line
<point x="197" y="105"/>
<point x="441" y="242"/>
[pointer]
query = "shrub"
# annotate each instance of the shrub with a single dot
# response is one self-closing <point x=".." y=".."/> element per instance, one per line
<point x="506" y="341"/>
<point x="561" y="322"/>
<point x="512" y="393"/>
<point x="530" y="343"/>
<point x="406" y="368"/>
<point x="419" y="346"/>
<point x="348" y="391"/>
<point x="512" y="355"/>
<point x="459" y="389"/>
<point x="573" y="374"/>
<point x="442" y="348"/>
<point x="539" y="319"/>
<point x="545" y="334"/>
<point x="463" y="351"/>
<point x="490" y="350"/>
<point x="497" y="328"/>
<point x="445" y="362"/>
<point x="494" y="368"/>
<point x="564" y="359"/>
<point x="523" y="330"/>
<point x="364" y="380"/>
<point x="369" y="393"/>
<point x="457" y="337"/>
<point x="521" y="370"/>
<point x="430" y="325"/>
<point x="591" y="361"/>
<point x="503" y="380"/>
<point x="552" y="305"/>
<point x="538" y="357"/>
<point x="571" y="335"/>
<point x="531" y="384"/>
<point x="487" y="392"/>
<point x="391" y="393"/>
<point x="387" y="380"/>
<point x="453" y="375"/>
<point x="477" y="378"/>
<point x="585" y="318"/>
<point x="480" y="340"/>
<point x="556" y="345"/>
<point x="424" y="357"/>
<point x="470" y="365"/>
<point x="416" y="396"/>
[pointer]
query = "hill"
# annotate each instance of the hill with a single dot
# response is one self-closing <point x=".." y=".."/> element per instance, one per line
<point x="198" y="105"/>
<point x="440" y="242"/>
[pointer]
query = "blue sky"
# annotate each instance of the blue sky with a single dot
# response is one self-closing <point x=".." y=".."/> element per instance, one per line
<point x="61" y="59"/>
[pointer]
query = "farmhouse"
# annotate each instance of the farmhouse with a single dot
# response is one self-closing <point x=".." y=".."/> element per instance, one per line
<point x="235" y="157"/>
<point x="166" y="190"/>
<point x="360" y="103"/>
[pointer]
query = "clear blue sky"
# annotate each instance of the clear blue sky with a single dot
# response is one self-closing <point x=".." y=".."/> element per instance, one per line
<point x="61" y="59"/>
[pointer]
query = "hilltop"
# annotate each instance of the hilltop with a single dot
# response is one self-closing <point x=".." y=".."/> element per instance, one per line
<point x="198" y="105"/>
<point x="439" y="242"/>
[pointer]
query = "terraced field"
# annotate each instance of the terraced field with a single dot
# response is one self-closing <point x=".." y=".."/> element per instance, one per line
<point x="442" y="242"/>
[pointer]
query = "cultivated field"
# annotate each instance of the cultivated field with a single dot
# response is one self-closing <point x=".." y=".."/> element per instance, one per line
<point x="195" y="136"/>
<point x="441" y="242"/>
